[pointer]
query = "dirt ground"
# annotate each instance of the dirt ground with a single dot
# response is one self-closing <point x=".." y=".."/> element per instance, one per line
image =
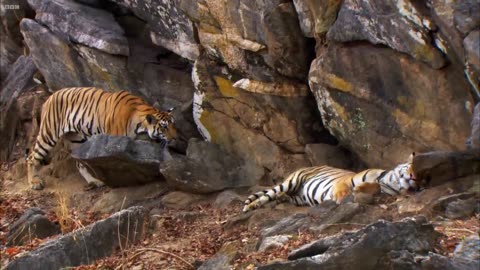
<point x="178" y="238"/>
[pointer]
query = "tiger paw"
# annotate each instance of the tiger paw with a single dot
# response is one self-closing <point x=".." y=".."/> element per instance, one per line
<point x="340" y="192"/>
<point x="93" y="185"/>
<point x="369" y="188"/>
<point x="251" y="206"/>
<point x="37" y="183"/>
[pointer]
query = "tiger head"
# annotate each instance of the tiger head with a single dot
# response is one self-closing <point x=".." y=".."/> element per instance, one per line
<point x="405" y="177"/>
<point x="160" y="126"/>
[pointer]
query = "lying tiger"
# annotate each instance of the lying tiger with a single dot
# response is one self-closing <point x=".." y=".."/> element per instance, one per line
<point x="79" y="113"/>
<point x="313" y="185"/>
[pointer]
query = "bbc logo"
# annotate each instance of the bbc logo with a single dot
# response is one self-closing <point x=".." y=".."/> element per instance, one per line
<point x="10" y="7"/>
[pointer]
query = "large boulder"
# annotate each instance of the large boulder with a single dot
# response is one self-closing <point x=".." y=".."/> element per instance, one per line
<point x="32" y="224"/>
<point x="64" y="64"/>
<point x="207" y="168"/>
<point x="82" y="24"/>
<point x="439" y="167"/>
<point x="397" y="24"/>
<point x="384" y="112"/>
<point x="121" y="161"/>
<point x="88" y="244"/>
<point x="366" y="248"/>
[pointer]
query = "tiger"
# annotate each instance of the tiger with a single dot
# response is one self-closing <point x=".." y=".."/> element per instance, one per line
<point x="313" y="185"/>
<point x="76" y="114"/>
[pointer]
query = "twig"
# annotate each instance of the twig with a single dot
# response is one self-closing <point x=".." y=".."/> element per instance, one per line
<point x="143" y="250"/>
<point x="459" y="230"/>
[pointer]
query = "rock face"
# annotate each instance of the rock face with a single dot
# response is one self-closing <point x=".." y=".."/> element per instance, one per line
<point x="86" y="245"/>
<point x="474" y="140"/>
<point x="257" y="38"/>
<point x="32" y="224"/>
<point x="207" y="168"/>
<point x="18" y="82"/>
<point x="170" y="27"/>
<point x="121" y="161"/>
<point x="351" y="99"/>
<point x="268" y="130"/>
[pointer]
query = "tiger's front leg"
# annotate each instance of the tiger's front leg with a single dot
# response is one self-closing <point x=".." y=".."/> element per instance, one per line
<point x="35" y="181"/>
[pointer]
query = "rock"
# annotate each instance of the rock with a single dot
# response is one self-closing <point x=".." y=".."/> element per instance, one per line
<point x="342" y="213"/>
<point x="474" y="140"/>
<point x="387" y="101"/>
<point x="438" y="262"/>
<point x="466" y="15"/>
<point x="365" y="248"/>
<point x="325" y="154"/>
<point x="207" y="168"/>
<point x="88" y="244"/>
<point x="19" y="81"/>
<point x="226" y="198"/>
<point x="468" y="249"/>
<point x="273" y="242"/>
<point x="82" y="24"/>
<point x="58" y="63"/>
<point x="461" y="208"/>
<point x="66" y="65"/>
<point x="316" y="17"/>
<point x="121" y="161"/>
<point x="471" y="43"/>
<point x="179" y="199"/>
<point x="32" y="224"/>
<point x="260" y="39"/>
<point x="441" y="166"/>
<point x="9" y="52"/>
<point x="12" y="12"/>
<point x="121" y="198"/>
<point x="398" y="25"/>
<point x="286" y="225"/>
<point x="265" y="130"/>
<point x="407" y="260"/>
<point x="170" y="27"/>
<point x="223" y="259"/>
<point x="363" y="198"/>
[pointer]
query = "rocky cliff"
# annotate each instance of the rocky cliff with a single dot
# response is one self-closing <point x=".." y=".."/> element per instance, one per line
<point x="261" y="88"/>
<point x="264" y="79"/>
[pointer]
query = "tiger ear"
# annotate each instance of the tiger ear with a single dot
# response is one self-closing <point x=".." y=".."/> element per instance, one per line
<point x="150" y="119"/>
<point x="410" y="158"/>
